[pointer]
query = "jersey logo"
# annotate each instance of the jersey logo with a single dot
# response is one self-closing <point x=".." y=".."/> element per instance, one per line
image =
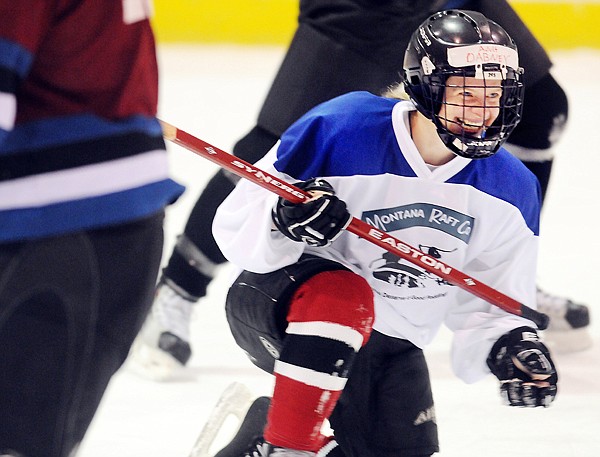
<point x="271" y="349"/>
<point x="393" y="270"/>
<point x="423" y="215"/>
<point x="137" y="10"/>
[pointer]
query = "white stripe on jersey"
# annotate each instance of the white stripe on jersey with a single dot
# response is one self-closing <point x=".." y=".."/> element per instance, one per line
<point x="8" y="110"/>
<point x="84" y="182"/>
<point x="137" y="10"/>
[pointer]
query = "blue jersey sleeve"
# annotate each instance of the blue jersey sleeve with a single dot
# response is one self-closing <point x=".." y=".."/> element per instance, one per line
<point x="348" y="135"/>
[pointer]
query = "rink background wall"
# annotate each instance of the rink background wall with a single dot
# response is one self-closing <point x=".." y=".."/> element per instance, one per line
<point x="557" y="24"/>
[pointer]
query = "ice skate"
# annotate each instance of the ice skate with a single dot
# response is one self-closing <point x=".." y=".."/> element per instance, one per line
<point x="568" y="330"/>
<point x="162" y="347"/>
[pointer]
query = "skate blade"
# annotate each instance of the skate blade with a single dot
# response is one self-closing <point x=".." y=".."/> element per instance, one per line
<point x="234" y="402"/>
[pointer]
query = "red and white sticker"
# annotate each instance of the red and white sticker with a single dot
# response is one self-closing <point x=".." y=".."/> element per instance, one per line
<point x="478" y="54"/>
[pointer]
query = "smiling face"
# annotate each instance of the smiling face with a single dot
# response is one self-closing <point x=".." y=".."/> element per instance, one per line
<point x="470" y="105"/>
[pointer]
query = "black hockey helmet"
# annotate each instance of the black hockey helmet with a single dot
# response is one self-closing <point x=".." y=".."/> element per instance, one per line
<point x="467" y="44"/>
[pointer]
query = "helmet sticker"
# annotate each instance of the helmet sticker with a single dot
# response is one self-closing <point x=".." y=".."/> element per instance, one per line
<point x="424" y="36"/>
<point x="494" y="75"/>
<point x="477" y="54"/>
<point x="427" y="65"/>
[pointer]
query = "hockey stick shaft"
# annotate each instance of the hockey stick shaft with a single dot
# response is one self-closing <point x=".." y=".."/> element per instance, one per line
<point x="358" y="227"/>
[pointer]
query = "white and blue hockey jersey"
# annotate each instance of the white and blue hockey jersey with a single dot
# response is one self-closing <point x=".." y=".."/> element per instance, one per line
<point x="479" y="216"/>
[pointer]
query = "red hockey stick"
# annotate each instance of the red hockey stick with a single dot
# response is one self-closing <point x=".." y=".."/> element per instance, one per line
<point x="358" y="227"/>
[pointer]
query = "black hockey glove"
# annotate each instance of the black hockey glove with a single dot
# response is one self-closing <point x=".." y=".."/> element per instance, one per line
<point x="316" y="222"/>
<point x="523" y="365"/>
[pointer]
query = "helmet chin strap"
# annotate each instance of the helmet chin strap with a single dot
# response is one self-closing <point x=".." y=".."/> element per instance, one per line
<point x="469" y="148"/>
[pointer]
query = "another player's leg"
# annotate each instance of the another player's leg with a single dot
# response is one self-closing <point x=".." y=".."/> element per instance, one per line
<point x="545" y="112"/>
<point x="544" y="116"/>
<point x="163" y="345"/>
<point x="71" y="307"/>
<point x="46" y="327"/>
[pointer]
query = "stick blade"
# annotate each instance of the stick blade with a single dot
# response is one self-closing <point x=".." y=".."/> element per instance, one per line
<point x="169" y="131"/>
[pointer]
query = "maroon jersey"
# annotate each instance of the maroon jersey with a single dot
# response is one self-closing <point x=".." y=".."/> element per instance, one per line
<point x="80" y="146"/>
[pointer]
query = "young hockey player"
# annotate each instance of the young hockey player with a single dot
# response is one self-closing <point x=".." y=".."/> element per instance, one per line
<point x="340" y="322"/>
<point x="341" y="46"/>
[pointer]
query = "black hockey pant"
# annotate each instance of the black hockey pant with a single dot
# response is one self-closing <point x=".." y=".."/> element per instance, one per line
<point x="70" y="307"/>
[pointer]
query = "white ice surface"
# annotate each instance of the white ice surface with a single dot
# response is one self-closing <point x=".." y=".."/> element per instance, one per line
<point x="215" y="92"/>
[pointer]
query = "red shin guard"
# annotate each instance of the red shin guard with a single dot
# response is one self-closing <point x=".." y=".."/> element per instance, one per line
<point x="303" y="398"/>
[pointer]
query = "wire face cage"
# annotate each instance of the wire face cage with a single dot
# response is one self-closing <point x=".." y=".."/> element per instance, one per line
<point x="473" y="116"/>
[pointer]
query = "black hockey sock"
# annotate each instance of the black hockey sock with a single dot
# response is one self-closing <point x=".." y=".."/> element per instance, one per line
<point x="190" y="281"/>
